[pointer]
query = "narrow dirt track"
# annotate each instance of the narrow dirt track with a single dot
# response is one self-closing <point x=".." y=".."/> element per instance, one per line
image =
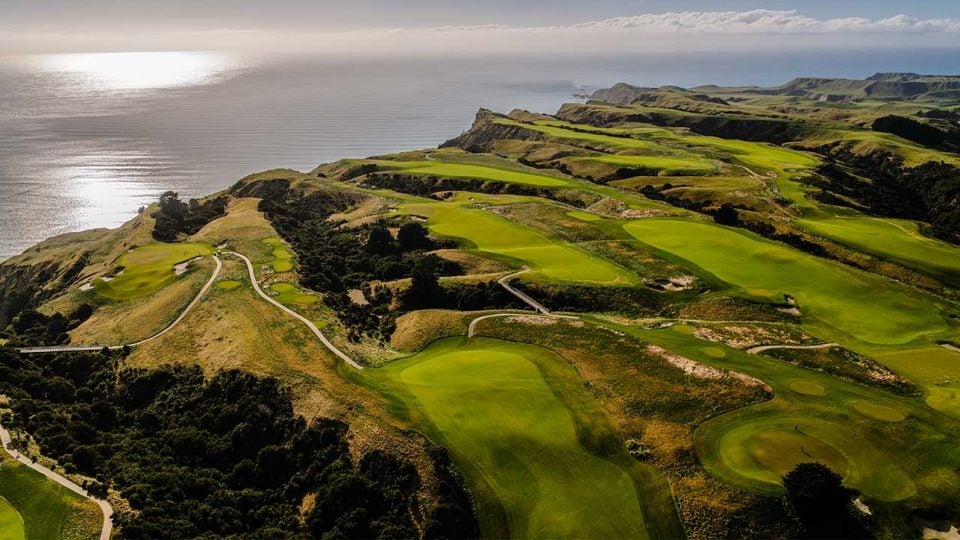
<point x="107" y="529"/>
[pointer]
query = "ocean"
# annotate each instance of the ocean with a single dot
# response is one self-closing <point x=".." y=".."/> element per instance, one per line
<point x="87" y="139"/>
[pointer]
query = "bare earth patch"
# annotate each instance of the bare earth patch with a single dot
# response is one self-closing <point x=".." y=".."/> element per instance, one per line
<point x="535" y="320"/>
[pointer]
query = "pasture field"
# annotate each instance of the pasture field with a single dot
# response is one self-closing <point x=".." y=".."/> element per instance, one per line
<point x="858" y="304"/>
<point x="898" y="241"/>
<point x="149" y="268"/>
<point x="549" y="258"/>
<point x="541" y="457"/>
<point x="34" y="507"/>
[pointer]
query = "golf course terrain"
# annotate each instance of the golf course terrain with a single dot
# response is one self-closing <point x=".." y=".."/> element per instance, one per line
<point x="629" y="319"/>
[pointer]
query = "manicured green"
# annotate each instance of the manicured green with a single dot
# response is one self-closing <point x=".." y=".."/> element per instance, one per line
<point x="937" y="369"/>
<point x="584" y="216"/>
<point x="766" y="448"/>
<point x="807" y="388"/>
<point x="895" y="240"/>
<point x="541" y="457"/>
<point x="288" y="294"/>
<point x="228" y="284"/>
<point x="281" y="256"/>
<point x="463" y="170"/>
<point x="858" y="304"/>
<point x="675" y="165"/>
<point x="148" y="268"/>
<point x="11" y="524"/>
<point x="47" y="509"/>
<point x="879" y="412"/>
<point x="550" y="258"/>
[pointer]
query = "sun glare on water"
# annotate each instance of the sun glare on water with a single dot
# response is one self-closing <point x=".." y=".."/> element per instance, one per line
<point x="140" y="70"/>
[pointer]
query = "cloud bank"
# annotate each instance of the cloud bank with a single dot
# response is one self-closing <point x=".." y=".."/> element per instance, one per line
<point x="693" y="29"/>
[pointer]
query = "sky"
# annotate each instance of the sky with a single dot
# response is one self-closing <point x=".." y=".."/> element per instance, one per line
<point x="484" y="26"/>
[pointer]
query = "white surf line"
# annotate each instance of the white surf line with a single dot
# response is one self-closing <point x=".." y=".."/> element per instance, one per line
<point x="178" y="320"/>
<point x="526" y="299"/>
<point x="107" y="529"/>
<point x="316" y="331"/>
<point x="760" y="348"/>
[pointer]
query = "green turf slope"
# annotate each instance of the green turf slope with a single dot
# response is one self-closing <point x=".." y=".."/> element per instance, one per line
<point x="543" y="459"/>
<point x="550" y="258"/>
<point x="149" y="268"/>
<point x="856" y="303"/>
<point x="11" y="524"/>
<point x="895" y="240"/>
<point x="49" y="511"/>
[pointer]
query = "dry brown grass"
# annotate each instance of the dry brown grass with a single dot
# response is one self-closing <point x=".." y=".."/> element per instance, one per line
<point x="417" y="329"/>
<point x="244" y="227"/>
<point x="472" y="264"/>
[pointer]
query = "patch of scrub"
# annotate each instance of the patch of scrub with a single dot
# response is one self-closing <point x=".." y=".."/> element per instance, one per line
<point x="228" y="284"/>
<point x="807" y="388"/>
<point x="879" y="412"/>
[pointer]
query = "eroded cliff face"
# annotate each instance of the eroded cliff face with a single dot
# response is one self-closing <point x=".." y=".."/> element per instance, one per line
<point x="485" y="131"/>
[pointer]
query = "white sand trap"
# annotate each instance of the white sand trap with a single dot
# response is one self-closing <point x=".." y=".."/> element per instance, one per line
<point x="182" y="267"/>
<point x="86" y="287"/>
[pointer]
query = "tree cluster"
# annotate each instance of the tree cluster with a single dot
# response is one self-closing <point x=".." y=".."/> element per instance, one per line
<point x="175" y="217"/>
<point x="224" y="456"/>
<point x="881" y="185"/>
<point x="32" y="328"/>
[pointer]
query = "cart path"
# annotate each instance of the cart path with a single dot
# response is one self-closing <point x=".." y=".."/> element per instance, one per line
<point x="313" y="328"/>
<point x="171" y="326"/>
<point x="105" y="507"/>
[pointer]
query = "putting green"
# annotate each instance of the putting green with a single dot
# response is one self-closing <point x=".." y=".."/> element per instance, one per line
<point x="807" y="388"/>
<point x="584" y="216"/>
<point x="11" y="524"/>
<point x="149" y="268"/>
<point x="498" y="408"/>
<point x="760" y="450"/>
<point x="228" y="284"/>
<point x="549" y="258"/>
<point x="281" y="257"/>
<point x="857" y="303"/>
<point x="895" y="240"/>
<point x="879" y="412"/>
<point x="714" y="352"/>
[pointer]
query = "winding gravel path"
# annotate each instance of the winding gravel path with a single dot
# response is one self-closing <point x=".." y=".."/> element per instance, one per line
<point x="759" y="349"/>
<point x="316" y="331"/>
<point x="105" y="507"/>
<point x="178" y="320"/>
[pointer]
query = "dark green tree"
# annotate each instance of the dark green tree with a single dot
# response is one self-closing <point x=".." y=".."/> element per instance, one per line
<point x="380" y="241"/>
<point x="823" y="504"/>
<point x="413" y="236"/>
<point x="727" y="215"/>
